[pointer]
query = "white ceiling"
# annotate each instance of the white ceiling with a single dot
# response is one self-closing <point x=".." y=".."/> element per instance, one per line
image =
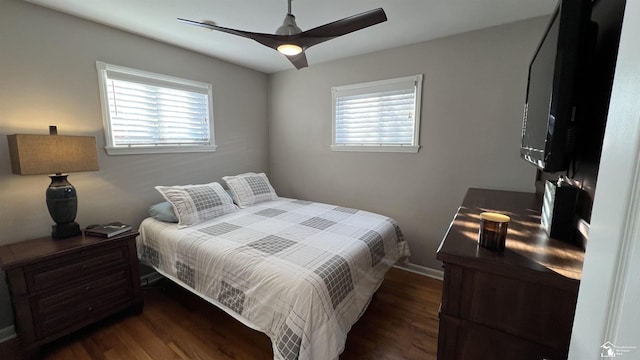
<point x="409" y="22"/>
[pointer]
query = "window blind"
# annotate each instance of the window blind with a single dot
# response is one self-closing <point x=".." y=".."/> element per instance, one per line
<point x="377" y="118"/>
<point x="143" y="114"/>
<point x="381" y="113"/>
<point x="146" y="112"/>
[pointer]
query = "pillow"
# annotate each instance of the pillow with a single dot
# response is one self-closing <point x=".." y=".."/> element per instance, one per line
<point x="163" y="212"/>
<point x="193" y="204"/>
<point x="250" y="188"/>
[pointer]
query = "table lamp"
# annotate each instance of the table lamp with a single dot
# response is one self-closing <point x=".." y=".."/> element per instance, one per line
<point x="55" y="154"/>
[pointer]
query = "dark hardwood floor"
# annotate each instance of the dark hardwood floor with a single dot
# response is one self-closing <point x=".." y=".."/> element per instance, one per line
<point x="400" y="323"/>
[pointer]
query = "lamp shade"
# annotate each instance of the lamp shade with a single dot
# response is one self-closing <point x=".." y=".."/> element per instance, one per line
<point x="52" y="154"/>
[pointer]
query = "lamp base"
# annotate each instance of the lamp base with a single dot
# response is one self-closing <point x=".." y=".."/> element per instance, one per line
<point x="63" y="231"/>
<point x="63" y="206"/>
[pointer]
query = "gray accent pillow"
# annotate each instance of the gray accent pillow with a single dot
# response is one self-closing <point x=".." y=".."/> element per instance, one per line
<point x="163" y="212"/>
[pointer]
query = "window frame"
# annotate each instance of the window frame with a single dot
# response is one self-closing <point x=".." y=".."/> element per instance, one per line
<point x="372" y="87"/>
<point x="150" y="78"/>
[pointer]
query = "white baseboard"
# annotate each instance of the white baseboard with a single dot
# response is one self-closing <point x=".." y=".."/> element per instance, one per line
<point x="7" y="333"/>
<point x="422" y="270"/>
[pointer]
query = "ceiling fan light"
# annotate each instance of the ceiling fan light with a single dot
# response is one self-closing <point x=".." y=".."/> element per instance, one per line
<point x="289" y="49"/>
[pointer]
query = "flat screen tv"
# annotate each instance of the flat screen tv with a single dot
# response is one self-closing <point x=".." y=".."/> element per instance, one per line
<point x="553" y="90"/>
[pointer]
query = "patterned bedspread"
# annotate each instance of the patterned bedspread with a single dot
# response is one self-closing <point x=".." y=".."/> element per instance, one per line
<point x="299" y="271"/>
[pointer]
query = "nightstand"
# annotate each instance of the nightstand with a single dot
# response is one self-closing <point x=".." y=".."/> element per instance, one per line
<point x="60" y="286"/>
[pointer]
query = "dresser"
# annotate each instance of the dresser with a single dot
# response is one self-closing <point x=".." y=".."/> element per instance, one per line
<point x="516" y="304"/>
<point x="60" y="286"/>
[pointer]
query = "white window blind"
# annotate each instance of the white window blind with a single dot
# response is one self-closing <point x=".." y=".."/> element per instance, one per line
<point x="377" y="116"/>
<point x="147" y="113"/>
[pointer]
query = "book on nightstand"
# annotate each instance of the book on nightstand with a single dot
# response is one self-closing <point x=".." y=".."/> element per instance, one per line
<point x="107" y="230"/>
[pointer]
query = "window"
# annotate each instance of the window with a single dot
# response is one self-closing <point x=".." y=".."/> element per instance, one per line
<point x="145" y="112"/>
<point x="379" y="116"/>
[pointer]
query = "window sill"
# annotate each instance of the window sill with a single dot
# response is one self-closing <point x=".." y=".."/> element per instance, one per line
<point x="376" y="148"/>
<point x="158" y="149"/>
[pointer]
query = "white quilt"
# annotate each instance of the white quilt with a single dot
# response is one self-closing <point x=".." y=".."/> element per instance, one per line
<point x="299" y="271"/>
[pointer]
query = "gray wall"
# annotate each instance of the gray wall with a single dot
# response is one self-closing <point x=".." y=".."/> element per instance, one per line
<point x="472" y="99"/>
<point x="48" y="77"/>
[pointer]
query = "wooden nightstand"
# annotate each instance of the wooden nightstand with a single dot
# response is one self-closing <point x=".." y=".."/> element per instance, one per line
<point x="60" y="286"/>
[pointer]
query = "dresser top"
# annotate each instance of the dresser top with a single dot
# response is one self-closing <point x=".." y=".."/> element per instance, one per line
<point x="529" y="252"/>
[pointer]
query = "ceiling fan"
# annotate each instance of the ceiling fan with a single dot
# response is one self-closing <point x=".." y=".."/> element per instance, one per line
<point x="291" y="41"/>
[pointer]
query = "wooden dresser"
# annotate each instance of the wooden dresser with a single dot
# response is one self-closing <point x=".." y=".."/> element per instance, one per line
<point x="516" y="304"/>
<point x="59" y="286"/>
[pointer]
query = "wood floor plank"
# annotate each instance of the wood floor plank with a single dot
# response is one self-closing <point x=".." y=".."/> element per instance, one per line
<point x="401" y="322"/>
<point x="148" y="342"/>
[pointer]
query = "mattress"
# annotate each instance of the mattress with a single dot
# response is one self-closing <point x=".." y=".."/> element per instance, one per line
<point x="299" y="271"/>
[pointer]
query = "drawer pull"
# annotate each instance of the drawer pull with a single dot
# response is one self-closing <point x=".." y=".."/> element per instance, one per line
<point x="90" y="308"/>
<point x="87" y="288"/>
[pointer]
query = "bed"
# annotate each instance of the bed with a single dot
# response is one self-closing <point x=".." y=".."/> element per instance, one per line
<point x="301" y="272"/>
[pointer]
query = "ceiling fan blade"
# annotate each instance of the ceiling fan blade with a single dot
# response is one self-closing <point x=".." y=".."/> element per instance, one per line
<point x="269" y="40"/>
<point x="341" y="27"/>
<point x="307" y="38"/>
<point x="299" y="61"/>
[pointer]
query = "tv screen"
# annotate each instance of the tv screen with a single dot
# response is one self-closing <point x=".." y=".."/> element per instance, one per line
<point x="553" y="90"/>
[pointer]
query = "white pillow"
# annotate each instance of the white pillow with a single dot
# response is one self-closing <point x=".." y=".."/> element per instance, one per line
<point x="250" y="188"/>
<point x="194" y="204"/>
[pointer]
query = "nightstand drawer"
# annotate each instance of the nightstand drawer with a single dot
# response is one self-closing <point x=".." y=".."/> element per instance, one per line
<point x="63" y="299"/>
<point x="79" y="305"/>
<point x="59" y="272"/>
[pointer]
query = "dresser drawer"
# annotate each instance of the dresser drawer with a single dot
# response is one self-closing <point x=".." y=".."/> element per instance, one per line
<point x="64" y="270"/>
<point x="80" y="305"/>
<point x="530" y="311"/>
<point x="473" y="342"/>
